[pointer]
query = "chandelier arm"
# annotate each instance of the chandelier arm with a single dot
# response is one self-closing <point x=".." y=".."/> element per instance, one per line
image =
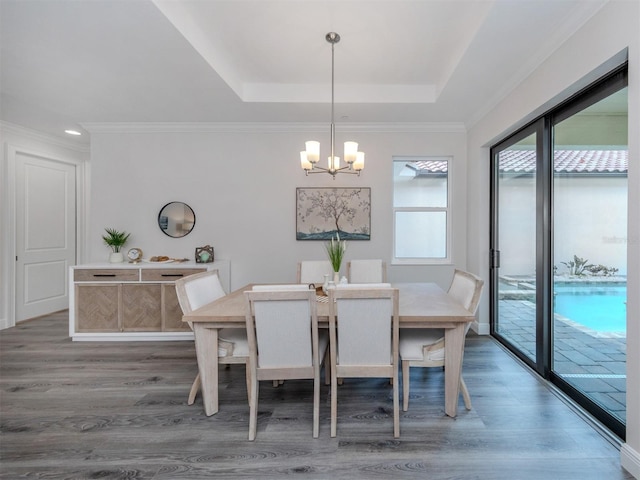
<point x="333" y="173"/>
<point x="318" y="169"/>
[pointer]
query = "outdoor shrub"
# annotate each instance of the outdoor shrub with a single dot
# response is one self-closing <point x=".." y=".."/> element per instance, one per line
<point x="601" y="270"/>
<point x="577" y="266"/>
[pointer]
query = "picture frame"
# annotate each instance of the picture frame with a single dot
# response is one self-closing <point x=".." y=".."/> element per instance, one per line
<point x="324" y="212"/>
<point x="204" y="254"/>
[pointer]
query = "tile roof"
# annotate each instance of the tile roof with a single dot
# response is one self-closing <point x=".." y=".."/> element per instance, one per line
<point x="429" y="167"/>
<point x="566" y="161"/>
<point x="591" y="161"/>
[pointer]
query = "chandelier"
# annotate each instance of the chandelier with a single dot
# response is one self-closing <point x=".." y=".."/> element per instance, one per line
<point x="353" y="158"/>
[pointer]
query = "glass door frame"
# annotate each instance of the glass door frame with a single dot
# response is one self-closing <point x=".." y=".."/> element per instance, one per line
<point x="608" y="85"/>
<point x="544" y="270"/>
<point x="543" y="128"/>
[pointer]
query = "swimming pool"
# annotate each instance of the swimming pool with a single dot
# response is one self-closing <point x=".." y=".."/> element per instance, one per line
<point x="598" y="306"/>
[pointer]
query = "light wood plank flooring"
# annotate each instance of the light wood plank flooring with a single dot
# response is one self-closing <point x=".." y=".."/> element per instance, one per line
<point x="84" y="410"/>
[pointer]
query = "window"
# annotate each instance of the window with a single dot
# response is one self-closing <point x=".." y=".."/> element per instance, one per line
<point x="421" y="216"/>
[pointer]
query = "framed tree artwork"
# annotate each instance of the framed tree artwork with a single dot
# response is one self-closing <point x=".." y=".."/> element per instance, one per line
<point x="321" y="213"/>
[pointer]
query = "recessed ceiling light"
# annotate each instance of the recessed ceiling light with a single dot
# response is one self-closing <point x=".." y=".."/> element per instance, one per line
<point x="72" y="132"/>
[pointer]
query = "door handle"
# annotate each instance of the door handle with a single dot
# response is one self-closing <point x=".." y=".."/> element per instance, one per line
<point x="495" y="258"/>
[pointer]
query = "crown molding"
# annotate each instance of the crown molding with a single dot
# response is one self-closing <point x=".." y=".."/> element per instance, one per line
<point x="272" y="127"/>
<point x="15" y="129"/>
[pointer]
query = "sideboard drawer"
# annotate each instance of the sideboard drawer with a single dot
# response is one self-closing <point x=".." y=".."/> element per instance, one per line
<point x="168" y="274"/>
<point x="106" y="275"/>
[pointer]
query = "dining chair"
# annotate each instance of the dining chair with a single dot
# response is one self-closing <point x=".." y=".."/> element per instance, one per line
<point x="280" y="381"/>
<point x="197" y="290"/>
<point x="367" y="271"/>
<point x="284" y="342"/>
<point x="363" y="339"/>
<point x="313" y="271"/>
<point x="425" y="347"/>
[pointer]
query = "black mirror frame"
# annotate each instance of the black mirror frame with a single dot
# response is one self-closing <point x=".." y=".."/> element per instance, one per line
<point x="161" y="221"/>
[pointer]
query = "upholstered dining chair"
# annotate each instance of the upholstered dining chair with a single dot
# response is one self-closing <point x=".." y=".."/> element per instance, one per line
<point x="280" y="381"/>
<point x="197" y="290"/>
<point x="363" y="338"/>
<point x="284" y="342"/>
<point x="367" y="271"/>
<point x="425" y="347"/>
<point x="313" y="271"/>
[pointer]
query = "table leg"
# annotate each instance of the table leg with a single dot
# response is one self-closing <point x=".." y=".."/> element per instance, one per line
<point x="206" y="340"/>
<point x="453" y="353"/>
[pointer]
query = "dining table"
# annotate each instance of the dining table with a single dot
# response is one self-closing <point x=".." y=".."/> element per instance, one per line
<point x="421" y="305"/>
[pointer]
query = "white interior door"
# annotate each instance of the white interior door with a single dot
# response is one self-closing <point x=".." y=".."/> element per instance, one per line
<point x="45" y="234"/>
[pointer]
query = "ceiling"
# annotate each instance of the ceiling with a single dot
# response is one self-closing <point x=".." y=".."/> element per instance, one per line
<point x="70" y="63"/>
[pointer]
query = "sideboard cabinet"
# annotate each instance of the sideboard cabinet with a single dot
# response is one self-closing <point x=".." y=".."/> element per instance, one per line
<point x="131" y="301"/>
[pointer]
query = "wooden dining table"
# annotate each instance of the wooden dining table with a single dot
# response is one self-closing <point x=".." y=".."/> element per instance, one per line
<point x="421" y="305"/>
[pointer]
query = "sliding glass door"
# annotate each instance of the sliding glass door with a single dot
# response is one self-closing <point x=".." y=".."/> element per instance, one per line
<point x="559" y="223"/>
<point x="590" y="249"/>
<point x="515" y="241"/>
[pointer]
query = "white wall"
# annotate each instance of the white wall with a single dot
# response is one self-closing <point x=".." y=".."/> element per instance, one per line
<point x="590" y="216"/>
<point x="615" y="27"/>
<point x="14" y="138"/>
<point x="241" y="183"/>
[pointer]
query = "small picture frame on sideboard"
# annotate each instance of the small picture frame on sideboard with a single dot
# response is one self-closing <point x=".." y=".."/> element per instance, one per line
<point x="204" y="254"/>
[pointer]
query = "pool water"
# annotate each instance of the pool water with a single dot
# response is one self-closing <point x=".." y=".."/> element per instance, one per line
<point x="600" y="307"/>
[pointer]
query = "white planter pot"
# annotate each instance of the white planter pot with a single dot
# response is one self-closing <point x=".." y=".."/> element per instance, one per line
<point x="116" y="257"/>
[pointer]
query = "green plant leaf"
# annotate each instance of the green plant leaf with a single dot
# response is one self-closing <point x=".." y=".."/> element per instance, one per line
<point x="115" y="239"/>
<point x="335" y="251"/>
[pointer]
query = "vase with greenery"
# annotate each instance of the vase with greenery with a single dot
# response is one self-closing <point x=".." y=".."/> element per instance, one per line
<point x="115" y="240"/>
<point x="336" y="250"/>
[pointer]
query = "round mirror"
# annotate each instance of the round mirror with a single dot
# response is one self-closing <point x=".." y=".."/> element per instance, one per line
<point x="176" y="219"/>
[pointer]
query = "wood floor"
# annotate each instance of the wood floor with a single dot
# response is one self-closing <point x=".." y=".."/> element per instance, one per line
<point x="82" y="410"/>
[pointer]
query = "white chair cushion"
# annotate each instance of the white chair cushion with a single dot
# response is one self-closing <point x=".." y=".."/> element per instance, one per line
<point x="412" y="341"/>
<point x="203" y="290"/>
<point x="313" y="271"/>
<point x="362" y="285"/>
<point x="275" y="348"/>
<point x="364" y="331"/>
<point x="462" y="288"/>
<point x="237" y="337"/>
<point x="274" y="288"/>
<point x="365" y="271"/>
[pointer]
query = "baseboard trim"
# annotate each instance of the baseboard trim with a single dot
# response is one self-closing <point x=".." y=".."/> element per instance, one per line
<point x="481" y="328"/>
<point x="630" y="460"/>
<point x="132" y="337"/>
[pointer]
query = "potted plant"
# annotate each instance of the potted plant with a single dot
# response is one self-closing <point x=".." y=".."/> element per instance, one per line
<point x="336" y="250"/>
<point x="116" y="241"/>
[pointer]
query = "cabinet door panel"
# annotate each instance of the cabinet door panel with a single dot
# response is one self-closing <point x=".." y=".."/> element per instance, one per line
<point x="141" y="310"/>
<point x="171" y="311"/>
<point x="97" y="308"/>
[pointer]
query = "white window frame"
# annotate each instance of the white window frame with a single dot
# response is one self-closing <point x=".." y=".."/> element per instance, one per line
<point x="447" y="210"/>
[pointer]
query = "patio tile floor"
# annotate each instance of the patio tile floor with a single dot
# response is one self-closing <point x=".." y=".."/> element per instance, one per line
<point x="591" y="361"/>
